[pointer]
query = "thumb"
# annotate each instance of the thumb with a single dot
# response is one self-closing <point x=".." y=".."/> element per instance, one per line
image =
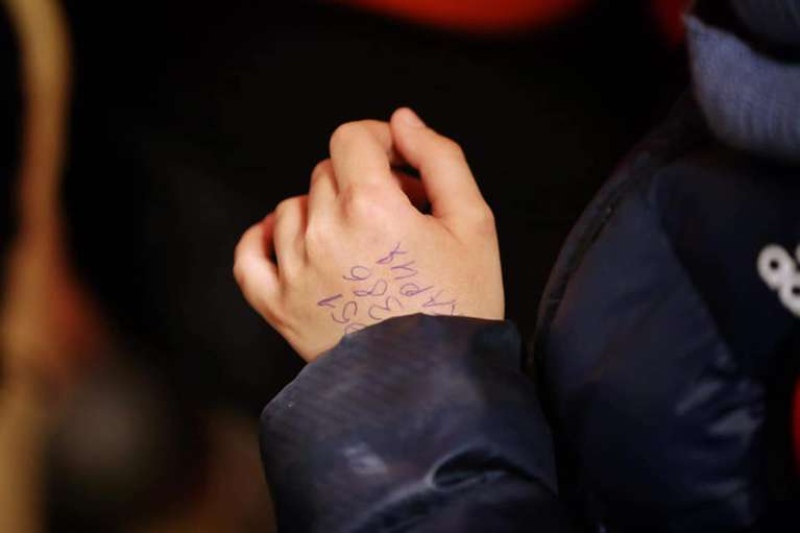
<point x="448" y="181"/>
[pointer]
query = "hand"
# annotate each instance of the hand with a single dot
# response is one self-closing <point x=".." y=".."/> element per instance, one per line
<point x="356" y="251"/>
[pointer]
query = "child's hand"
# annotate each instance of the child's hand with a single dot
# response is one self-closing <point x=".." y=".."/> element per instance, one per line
<point x="355" y="250"/>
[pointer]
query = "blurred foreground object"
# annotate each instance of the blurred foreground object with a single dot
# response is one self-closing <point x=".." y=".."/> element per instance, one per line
<point x="124" y="451"/>
<point x="508" y="16"/>
<point x="495" y="16"/>
<point x="22" y="422"/>
<point x="669" y="16"/>
<point x="48" y="318"/>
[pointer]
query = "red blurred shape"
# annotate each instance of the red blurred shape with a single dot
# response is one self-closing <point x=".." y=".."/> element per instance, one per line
<point x="669" y="14"/>
<point x="483" y="16"/>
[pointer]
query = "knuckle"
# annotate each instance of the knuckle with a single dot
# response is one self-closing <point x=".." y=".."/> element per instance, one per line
<point x="291" y="274"/>
<point x="238" y="273"/>
<point x="364" y="201"/>
<point x="355" y="200"/>
<point x="286" y="207"/>
<point x="321" y="172"/>
<point x="482" y="219"/>
<point x="317" y="178"/>
<point x="238" y="259"/>
<point x="242" y="279"/>
<point x="316" y="237"/>
<point x="345" y="133"/>
<point x="281" y="208"/>
<point x="450" y="148"/>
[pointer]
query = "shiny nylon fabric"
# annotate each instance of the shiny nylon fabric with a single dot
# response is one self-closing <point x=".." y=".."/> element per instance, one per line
<point x="660" y="343"/>
<point x="415" y="424"/>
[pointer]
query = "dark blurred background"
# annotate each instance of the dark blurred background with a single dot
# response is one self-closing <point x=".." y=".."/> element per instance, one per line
<point x="192" y="120"/>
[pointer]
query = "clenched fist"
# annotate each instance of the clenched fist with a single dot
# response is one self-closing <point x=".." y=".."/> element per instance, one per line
<point x="356" y="250"/>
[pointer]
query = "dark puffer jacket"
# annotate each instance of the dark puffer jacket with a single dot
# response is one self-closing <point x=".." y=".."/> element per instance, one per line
<point x="665" y="357"/>
<point x="667" y="352"/>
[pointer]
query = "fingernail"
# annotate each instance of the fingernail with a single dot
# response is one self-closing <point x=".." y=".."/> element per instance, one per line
<point x="411" y="119"/>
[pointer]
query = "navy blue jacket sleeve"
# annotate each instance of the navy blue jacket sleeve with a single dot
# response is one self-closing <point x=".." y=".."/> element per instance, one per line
<point x="416" y="424"/>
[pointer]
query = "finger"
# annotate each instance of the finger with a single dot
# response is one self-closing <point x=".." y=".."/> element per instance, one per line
<point x="363" y="153"/>
<point x="322" y="192"/>
<point x="448" y="181"/>
<point x="253" y="270"/>
<point x="290" y="224"/>
<point x="413" y="188"/>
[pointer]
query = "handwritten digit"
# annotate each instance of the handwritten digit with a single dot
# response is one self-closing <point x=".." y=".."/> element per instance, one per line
<point x="389" y="258"/>
<point x="375" y="310"/>
<point x="412" y="289"/>
<point x="349" y="310"/>
<point x="358" y="273"/>
<point x="405" y="270"/>
<point x="378" y="289"/>
<point x="328" y="302"/>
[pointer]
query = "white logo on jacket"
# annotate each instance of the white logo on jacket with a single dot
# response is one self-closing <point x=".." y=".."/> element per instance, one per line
<point x="781" y="273"/>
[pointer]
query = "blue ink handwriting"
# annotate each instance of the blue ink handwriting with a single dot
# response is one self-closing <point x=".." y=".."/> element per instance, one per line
<point x="376" y="311"/>
<point x="358" y="273"/>
<point x="328" y="302"/>
<point x="404" y="271"/>
<point x="389" y="258"/>
<point x="378" y="289"/>
<point x="349" y="311"/>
